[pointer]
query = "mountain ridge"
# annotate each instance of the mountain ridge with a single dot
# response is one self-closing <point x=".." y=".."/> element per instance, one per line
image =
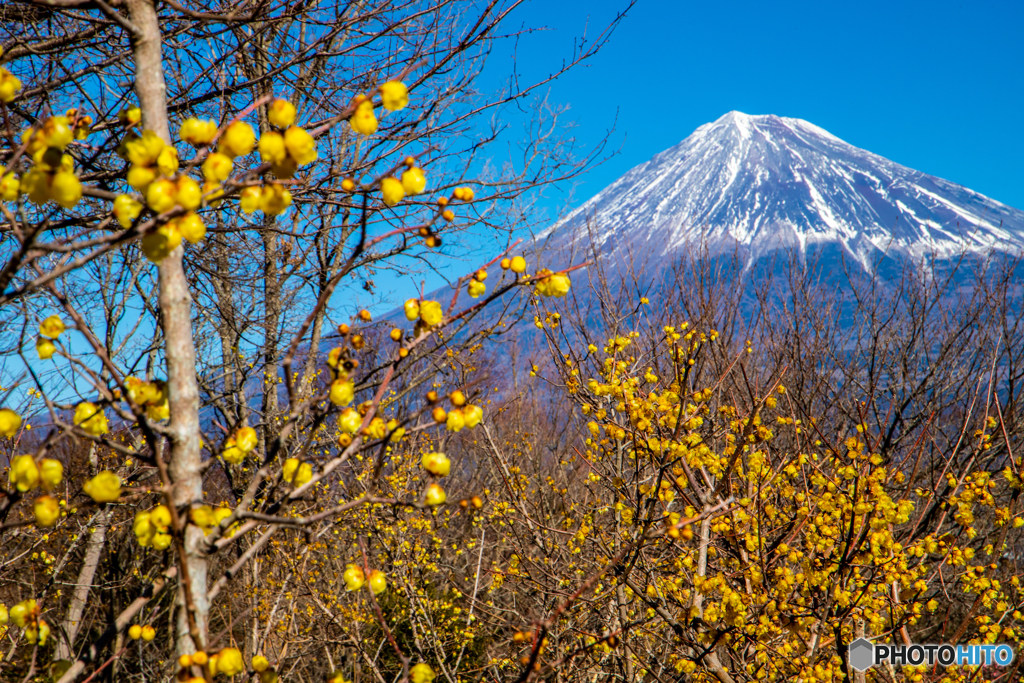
<point x="763" y="183"/>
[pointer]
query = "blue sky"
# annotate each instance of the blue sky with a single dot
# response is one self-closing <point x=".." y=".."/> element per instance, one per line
<point x="936" y="86"/>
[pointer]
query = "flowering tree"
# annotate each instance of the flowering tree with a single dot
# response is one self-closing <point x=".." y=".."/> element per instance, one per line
<point x="191" y="199"/>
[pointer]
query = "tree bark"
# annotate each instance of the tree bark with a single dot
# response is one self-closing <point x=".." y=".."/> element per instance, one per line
<point x="180" y="354"/>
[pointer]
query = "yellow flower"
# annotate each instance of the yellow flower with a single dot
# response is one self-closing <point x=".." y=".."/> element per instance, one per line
<point x="295" y="473"/>
<point x="476" y="288"/>
<point x="135" y="632"/>
<point x="246" y="439"/>
<point x="412" y="309"/>
<point x="259" y="662"/>
<point x="363" y="120"/>
<point x="378" y="582"/>
<point x="91" y="418"/>
<point x="197" y="132"/>
<point x="274" y="199"/>
<point x="238" y="140"/>
<point x="435" y="495"/>
<point x="65" y="189"/>
<point x="9" y="85"/>
<point x="47" y="511"/>
<point x="10" y="186"/>
<point x="25" y="612"/>
<point x="40" y="632"/>
<point x="57" y="132"/>
<point x="431" y="313"/>
<point x="144" y="528"/>
<point x="272" y="148"/>
<point x="130" y="115"/>
<point x="217" y="167"/>
<point x="51" y="327"/>
<point x="105" y="487"/>
<point x="148" y="633"/>
<point x="37" y="185"/>
<point x="10" y="422"/>
<point x="249" y="199"/>
<point x="144" y="150"/>
<point x="212" y="192"/>
<point x="301" y="145"/>
<point x="187" y="193"/>
<point x="353" y="577"/>
<point x="51" y="472"/>
<point x="126" y="210"/>
<point x="556" y="285"/>
<point x="436" y="463"/>
<point x="350" y="420"/>
<point x="191" y="227"/>
<point x="139" y="177"/>
<point x="455" y="421"/>
<point x="281" y="113"/>
<point x="229" y="661"/>
<point x="518" y="264"/>
<point x="202" y="517"/>
<point x="232" y="453"/>
<point x="167" y="161"/>
<point x="24" y="473"/>
<point x="161" y="517"/>
<point x="392" y="190"/>
<point x="394" y="95"/>
<point x="160" y="195"/>
<point x="472" y="415"/>
<point x="422" y="673"/>
<point x="158" y="244"/>
<point x="342" y="392"/>
<point x="414" y="181"/>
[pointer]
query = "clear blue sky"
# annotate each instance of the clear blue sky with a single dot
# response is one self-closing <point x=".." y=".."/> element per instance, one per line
<point x="936" y="86"/>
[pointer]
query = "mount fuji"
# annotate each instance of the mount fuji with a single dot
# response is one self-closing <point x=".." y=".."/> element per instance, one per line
<point x="757" y="184"/>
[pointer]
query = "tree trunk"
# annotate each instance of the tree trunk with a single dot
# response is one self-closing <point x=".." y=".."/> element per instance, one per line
<point x="272" y="318"/>
<point x="175" y="317"/>
<point x="73" y="619"/>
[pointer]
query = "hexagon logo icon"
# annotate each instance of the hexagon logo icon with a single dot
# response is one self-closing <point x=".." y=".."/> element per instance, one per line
<point x="862" y="654"/>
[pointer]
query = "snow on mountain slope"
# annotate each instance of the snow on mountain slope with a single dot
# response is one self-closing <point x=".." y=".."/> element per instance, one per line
<point x="766" y="182"/>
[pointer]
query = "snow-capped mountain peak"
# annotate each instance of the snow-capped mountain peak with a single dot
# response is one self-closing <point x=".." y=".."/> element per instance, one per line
<point x="767" y="182"/>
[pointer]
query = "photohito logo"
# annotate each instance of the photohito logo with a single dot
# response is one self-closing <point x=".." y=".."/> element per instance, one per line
<point x="864" y="654"/>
